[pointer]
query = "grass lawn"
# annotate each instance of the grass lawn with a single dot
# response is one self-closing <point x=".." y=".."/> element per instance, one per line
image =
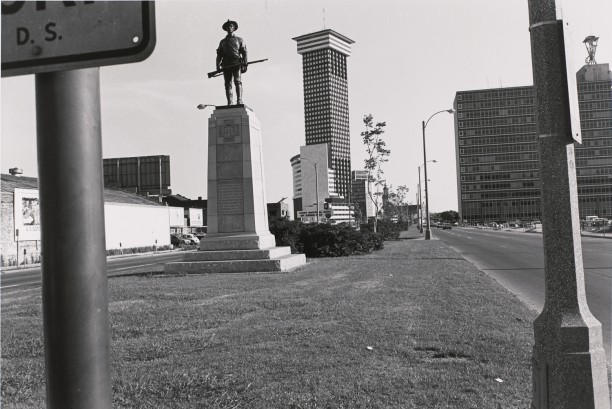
<point x="411" y="326"/>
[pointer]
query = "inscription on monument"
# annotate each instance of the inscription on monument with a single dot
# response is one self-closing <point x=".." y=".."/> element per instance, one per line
<point x="230" y="197"/>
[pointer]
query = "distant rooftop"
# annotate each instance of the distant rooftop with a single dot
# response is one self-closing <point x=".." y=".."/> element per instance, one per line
<point x="324" y="39"/>
<point x="9" y="183"/>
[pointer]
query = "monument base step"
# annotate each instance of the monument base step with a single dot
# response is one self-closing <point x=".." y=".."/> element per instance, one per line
<point x="225" y="255"/>
<point x="285" y="262"/>
<point x="237" y="241"/>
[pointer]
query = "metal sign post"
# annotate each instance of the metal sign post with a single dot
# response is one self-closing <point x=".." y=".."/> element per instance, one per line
<point x="64" y="44"/>
<point x="74" y="283"/>
<point x="568" y="361"/>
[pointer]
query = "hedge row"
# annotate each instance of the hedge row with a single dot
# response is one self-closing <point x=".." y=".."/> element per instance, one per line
<point x="325" y="240"/>
<point x="388" y="229"/>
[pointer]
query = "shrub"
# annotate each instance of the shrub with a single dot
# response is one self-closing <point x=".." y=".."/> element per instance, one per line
<point x="324" y="240"/>
<point x="286" y="233"/>
<point x="386" y="228"/>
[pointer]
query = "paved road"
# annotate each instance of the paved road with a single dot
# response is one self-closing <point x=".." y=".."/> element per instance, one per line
<point x="31" y="277"/>
<point x="516" y="260"/>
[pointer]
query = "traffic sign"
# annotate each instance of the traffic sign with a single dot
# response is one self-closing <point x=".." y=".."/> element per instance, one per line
<point x="47" y="36"/>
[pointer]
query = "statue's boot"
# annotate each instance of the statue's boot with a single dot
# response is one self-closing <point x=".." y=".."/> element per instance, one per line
<point x="229" y="95"/>
<point x="239" y="94"/>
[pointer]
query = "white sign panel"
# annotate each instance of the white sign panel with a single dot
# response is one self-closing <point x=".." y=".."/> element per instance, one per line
<point x="46" y="36"/>
<point x="176" y="216"/>
<point x="27" y="215"/>
<point x="572" y="87"/>
<point x="196" y="217"/>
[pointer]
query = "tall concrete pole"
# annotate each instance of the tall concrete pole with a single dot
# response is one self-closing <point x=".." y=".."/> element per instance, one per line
<point x="569" y="361"/>
<point x="317" y="190"/>
<point x="427" y="228"/>
<point x="420" y="212"/>
<point x="74" y="281"/>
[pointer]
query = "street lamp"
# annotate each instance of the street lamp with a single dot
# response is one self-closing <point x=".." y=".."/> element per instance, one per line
<point x="420" y="201"/>
<point x="428" y="231"/>
<point x="316" y="184"/>
<point x="202" y="106"/>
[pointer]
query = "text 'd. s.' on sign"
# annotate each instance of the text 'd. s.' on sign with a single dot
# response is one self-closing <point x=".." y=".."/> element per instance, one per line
<point x="46" y="36"/>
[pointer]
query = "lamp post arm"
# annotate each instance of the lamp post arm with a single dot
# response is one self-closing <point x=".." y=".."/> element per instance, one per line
<point x="450" y="111"/>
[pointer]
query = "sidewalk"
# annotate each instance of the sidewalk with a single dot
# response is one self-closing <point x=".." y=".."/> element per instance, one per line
<point x="15" y="269"/>
<point x="411" y="234"/>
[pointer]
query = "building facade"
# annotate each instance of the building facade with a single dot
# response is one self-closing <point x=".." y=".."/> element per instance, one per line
<point x="359" y="195"/>
<point x="324" y="55"/>
<point x="131" y="221"/>
<point x="497" y="155"/>
<point x="313" y="178"/>
<point x="498" y="158"/>
<point x="145" y="175"/>
<point x="594" y="155"/>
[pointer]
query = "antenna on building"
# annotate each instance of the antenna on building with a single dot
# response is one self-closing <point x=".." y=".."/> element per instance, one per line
<point x="591" y="45"/>
<point x="323" y="19"/>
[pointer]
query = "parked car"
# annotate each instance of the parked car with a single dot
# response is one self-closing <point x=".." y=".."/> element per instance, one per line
<point x="446" y="226"/>
<point x="192" y="237"/>
<point x="177" y="239"/>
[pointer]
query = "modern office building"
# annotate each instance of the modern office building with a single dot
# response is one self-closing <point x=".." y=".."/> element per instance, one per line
<point x="497" y="155"/>
<point x="594" y="155"/>
<point x="147" y="175"/>
<point x="498" y="158"/>
<point x="326" y="109"/>
<point x="312" y="173"/>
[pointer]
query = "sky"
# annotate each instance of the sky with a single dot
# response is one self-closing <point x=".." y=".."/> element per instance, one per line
<point x="409" y="59"/>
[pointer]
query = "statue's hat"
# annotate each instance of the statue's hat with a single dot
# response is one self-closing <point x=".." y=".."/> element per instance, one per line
<point x="227" y="23"/>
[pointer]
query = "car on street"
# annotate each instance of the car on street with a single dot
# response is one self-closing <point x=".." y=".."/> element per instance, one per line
<point x="191" y="237"/>
<point x="446" y="226"/>
<point x="177" y="239"/>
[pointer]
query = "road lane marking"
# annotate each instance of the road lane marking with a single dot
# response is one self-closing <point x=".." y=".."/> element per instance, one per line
<point x="133" y="267"/>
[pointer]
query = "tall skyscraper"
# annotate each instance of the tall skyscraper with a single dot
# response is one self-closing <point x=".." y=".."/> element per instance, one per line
<point x="326" y="108"/>
<point x="498" y="157"/>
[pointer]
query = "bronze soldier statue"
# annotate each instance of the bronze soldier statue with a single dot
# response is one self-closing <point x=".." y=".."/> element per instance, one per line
<point x="232" y="60"/>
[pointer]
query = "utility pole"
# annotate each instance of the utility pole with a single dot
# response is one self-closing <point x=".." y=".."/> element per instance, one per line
<point x="568" y="361"/>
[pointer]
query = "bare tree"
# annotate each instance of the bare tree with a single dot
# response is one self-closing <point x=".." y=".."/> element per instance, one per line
<point x="377" y="155"/>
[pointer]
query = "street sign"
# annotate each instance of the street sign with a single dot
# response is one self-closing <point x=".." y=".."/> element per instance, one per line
<point x="47" y="36"/>
<point x="572" y="108"/>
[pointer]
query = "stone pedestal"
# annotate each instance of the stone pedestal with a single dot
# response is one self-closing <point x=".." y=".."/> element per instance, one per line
<point x="238" y="238"/>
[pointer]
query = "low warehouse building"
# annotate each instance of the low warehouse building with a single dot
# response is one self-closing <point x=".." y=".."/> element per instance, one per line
<point x="131" y="221"/>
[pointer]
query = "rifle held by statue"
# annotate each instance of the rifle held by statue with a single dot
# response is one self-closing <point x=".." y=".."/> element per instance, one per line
<point x="243" y="64"/>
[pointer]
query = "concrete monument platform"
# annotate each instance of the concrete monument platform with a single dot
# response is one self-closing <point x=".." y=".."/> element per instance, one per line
<point x="238" y="238"/>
